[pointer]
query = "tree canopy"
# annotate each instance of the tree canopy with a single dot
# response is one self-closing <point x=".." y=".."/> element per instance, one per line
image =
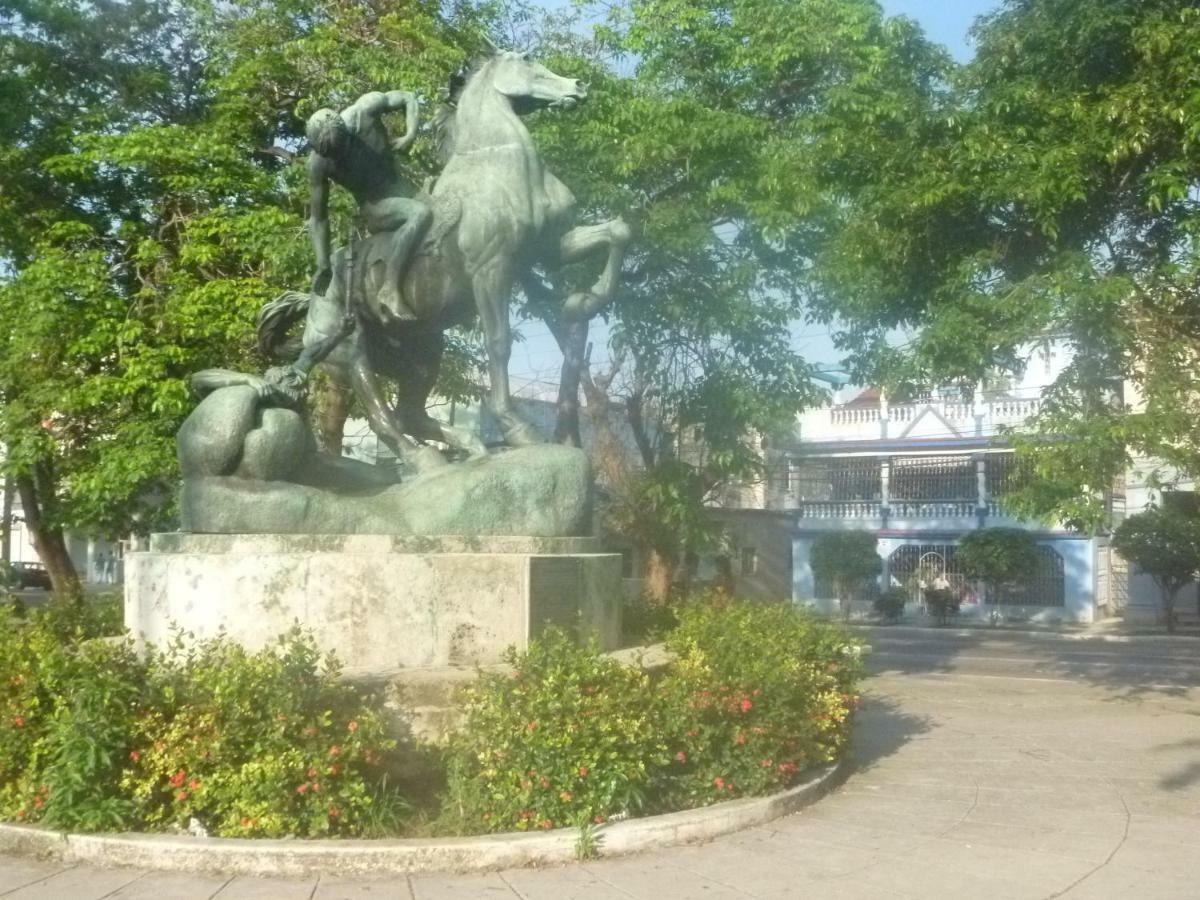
<point x="1051" y="193"/>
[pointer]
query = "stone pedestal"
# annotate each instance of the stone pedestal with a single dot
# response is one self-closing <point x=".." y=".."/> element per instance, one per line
<point x="382" y="603"/>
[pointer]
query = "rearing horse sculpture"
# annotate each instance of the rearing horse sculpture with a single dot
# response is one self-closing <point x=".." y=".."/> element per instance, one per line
<point x="497" y="212"/>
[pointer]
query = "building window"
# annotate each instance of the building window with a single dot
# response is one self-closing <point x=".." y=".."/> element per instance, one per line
<point x="836" y="478"/>
<point x="1004" y="473"/>
<point x="626" y="563"/>
<point x="933" y="478"/>
<point x="1184" y="502"/>
<point x="749" y="558"/>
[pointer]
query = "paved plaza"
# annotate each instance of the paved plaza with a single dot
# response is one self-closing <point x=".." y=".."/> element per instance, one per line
<point x="986" y="765"/>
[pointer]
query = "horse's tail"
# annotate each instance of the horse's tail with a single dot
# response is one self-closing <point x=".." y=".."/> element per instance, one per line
<point x="274" y="320"/>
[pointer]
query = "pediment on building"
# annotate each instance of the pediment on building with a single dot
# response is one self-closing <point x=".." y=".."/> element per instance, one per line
<point x="929" y="423"/>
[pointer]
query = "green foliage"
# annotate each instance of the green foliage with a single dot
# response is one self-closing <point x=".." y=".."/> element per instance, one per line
<point x="567" y="737"/>
<point x="149" y="214"/>
<point x="758" y="693"/>
<point x="999" y="557"/>
<point x="889" y="605"/>
<point x="847" y="559"/>
<point x="942" y="604"/>
<point x="1046" y="190"/>
<point x="263" y="744"/>
<point x="756" y="696"/>
<point x="1165" y="543"/>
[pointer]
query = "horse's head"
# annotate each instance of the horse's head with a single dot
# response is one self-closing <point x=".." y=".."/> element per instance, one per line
<point x="529" y="85"/>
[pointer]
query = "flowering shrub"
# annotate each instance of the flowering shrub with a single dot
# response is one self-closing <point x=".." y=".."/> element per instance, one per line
<point x="254" y="744"/>
<point x="757" y="694"/>
<point x="266" y="743"/>
<point x="567" y="737"/>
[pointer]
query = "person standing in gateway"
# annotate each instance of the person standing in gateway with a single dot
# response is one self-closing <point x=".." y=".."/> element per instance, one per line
<point x="352" y="148"/>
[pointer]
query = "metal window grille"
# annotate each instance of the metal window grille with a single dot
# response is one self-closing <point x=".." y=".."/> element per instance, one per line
<point x="916" y="567"/>
<point x="1004" y="473"/>
<point x="933" y="478"/>
<point x="837" y="479"/>
<point x="1047" y="587"/>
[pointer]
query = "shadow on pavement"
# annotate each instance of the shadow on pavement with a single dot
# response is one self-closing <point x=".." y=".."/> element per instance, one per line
<point x="881" y="728"/>
<point x="1132" y="670"/>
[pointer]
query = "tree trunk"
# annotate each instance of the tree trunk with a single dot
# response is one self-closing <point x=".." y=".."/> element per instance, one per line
<point x="1169" y="606"/>
<point x="47" y="538"/>
<point x="572" y="340"/>
<point x="657" y="582"/>
<point x="6" y="524"/>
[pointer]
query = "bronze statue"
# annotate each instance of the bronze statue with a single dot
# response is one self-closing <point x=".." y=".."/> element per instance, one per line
<point x="497" y="212"/>
<point x="351" y="148"/>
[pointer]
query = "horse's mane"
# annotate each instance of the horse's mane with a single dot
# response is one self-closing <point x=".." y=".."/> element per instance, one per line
<point x="443" y="119"/>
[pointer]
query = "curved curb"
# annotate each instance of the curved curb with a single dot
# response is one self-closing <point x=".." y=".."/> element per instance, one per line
<point x="244" y="856"/>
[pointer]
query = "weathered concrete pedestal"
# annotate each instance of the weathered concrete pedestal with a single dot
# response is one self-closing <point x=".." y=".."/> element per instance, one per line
<point x="382" y="603"/>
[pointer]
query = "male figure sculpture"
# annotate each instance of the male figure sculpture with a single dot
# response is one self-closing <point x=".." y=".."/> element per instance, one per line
<point x="352" y="149"/>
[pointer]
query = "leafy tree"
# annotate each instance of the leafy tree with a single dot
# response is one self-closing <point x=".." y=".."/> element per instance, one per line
<point x="848" y="560"/>
<point x="712" y="136"/>
<point x="1002" y="558"/>
<point x="151" y="213"/>
<point x="1051" y="192"/>
<point x="1164" y="543"/>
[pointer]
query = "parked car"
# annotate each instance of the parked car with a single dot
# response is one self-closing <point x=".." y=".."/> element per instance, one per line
<point x="30" y="575"/>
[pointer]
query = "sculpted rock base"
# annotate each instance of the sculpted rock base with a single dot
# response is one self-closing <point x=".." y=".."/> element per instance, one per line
<point x="541" y="491"/>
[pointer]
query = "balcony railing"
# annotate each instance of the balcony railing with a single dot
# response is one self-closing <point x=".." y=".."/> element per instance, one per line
<point x="872" y="422"/>
<point x="932" y="509"/>
<point x="897" y="509"/>
<point x="839" y="509"/>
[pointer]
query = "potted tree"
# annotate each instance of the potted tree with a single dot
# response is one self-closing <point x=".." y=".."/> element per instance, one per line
<point x="1164" y="543"/>
<point x="848" y="560"/>
<point x="1000" y="558"/>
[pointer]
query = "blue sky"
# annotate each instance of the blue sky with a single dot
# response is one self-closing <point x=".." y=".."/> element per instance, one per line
<point x="945" y="21"/>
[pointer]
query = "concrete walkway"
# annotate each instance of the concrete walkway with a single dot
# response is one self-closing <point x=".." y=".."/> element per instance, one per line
<point x="987" y="766"/>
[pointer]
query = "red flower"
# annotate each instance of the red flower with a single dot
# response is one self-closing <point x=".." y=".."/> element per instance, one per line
<point x="246" y="821"/>
<point x="316" y="787"/>
<point x="133" y="754"/>
<point x="353" y="726"/>
<point x="335" y="750"/>
<point x="177" y="779"/>
<point x="583" y="770"/>
<point x="312" y="773"/>
<point x="545" y="824"/>
<point x="302" y="789"/>
<point x="719" y="781"/>
<point x="598" y="819"/>
<point x="746" y="704"/>
<point x="531" y="726"/>
<point x="193" y="784"/>
<point x="681" y="756"/>
<point x="181" y="795"/>
<point x="333" y="812"/>
<point x="739" y="738"/>
<point x="19" y="721"/>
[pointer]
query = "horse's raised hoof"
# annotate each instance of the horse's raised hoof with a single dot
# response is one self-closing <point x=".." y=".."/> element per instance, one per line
<point x="521" y="434"/>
